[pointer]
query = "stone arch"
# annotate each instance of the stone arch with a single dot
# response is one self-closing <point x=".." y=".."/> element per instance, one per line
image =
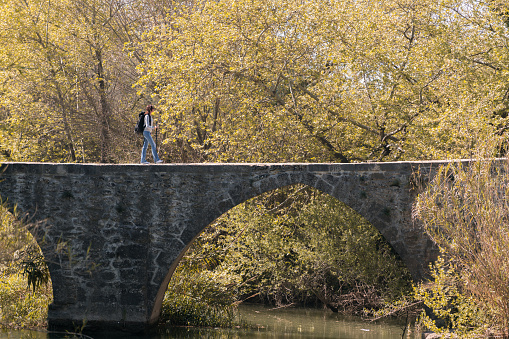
<point x="360" y="192"/>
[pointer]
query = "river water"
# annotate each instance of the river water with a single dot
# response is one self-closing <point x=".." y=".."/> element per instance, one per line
<point x="265" y="323"/>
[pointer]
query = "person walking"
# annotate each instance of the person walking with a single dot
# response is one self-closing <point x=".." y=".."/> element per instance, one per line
<point x="147" y="135"/>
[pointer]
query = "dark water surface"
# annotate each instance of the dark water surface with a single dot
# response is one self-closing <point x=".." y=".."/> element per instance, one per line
<point x="265" y="323"/>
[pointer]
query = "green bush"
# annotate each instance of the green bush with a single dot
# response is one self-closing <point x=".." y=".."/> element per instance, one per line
<point x="307" y="247"/>
<point x="20" y="308"/>
<point x="453" y="309"/>
<point x="297" y="245"/>
<point x="465" y="210"/>
<point x="198" y="298"/>
<point x="22" y="267"/>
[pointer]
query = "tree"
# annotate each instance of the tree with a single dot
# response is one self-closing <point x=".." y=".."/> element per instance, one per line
<point x="67" y="80"/>
<point x="326" y="81"/>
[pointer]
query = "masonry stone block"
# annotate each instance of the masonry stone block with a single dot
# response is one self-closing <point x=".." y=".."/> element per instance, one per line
<point x="324" y="186"/>
<point x="238" y="193"/>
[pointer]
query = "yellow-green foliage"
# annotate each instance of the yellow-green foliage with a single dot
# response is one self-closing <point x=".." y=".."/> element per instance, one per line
<point x="19" y="307"/>
<point x="198" y="298"/>
<point x="21" y="268"/>
<point x="455" y="310"/>
<point x="318" y="81"/>
<point x="294" y="245"/>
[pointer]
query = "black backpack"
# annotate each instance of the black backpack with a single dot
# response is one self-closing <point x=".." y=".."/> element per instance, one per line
<point x="140" y="125"/>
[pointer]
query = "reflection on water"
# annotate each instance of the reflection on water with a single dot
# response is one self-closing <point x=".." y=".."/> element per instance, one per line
<point x="265" y="323"/>
<point x="313" y="323"/>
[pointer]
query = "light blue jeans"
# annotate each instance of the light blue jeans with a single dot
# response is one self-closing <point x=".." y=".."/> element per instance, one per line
<point x="148" y="140"/>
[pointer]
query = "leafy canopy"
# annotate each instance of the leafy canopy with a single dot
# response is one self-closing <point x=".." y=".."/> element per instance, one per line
<point x="336" y="80"/>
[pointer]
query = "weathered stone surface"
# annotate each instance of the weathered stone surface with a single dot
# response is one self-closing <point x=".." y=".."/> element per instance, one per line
<point x="114" y="233"/>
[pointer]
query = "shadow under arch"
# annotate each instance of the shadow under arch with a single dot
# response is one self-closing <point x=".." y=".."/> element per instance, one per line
<point x="382" y="217"/>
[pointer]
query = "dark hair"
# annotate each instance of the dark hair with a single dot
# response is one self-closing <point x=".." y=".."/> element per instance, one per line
<point x="150" y="108"/>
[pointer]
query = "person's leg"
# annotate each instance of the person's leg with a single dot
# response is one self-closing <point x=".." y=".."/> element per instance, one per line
<point x="144" y="148"/>
<point x="148" y="137"/>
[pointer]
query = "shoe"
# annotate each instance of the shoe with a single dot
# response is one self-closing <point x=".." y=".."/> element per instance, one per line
<point x="159" y="162"/>
<point x="145" y="162"/>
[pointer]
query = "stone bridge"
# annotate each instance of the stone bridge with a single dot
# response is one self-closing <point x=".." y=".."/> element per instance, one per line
<point x="113" y="234"/>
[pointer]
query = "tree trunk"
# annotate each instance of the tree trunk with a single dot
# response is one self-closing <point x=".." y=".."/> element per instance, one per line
<point x="104" y="109"/>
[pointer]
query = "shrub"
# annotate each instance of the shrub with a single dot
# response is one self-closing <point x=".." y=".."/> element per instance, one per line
<point x="22" y="267"/>
<point x="198" y="298"/>
<point x="19" y="308"/>
<point x="446" y="299"/>
<point x="465" y="210"/>
<point x="298" y="245"/>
